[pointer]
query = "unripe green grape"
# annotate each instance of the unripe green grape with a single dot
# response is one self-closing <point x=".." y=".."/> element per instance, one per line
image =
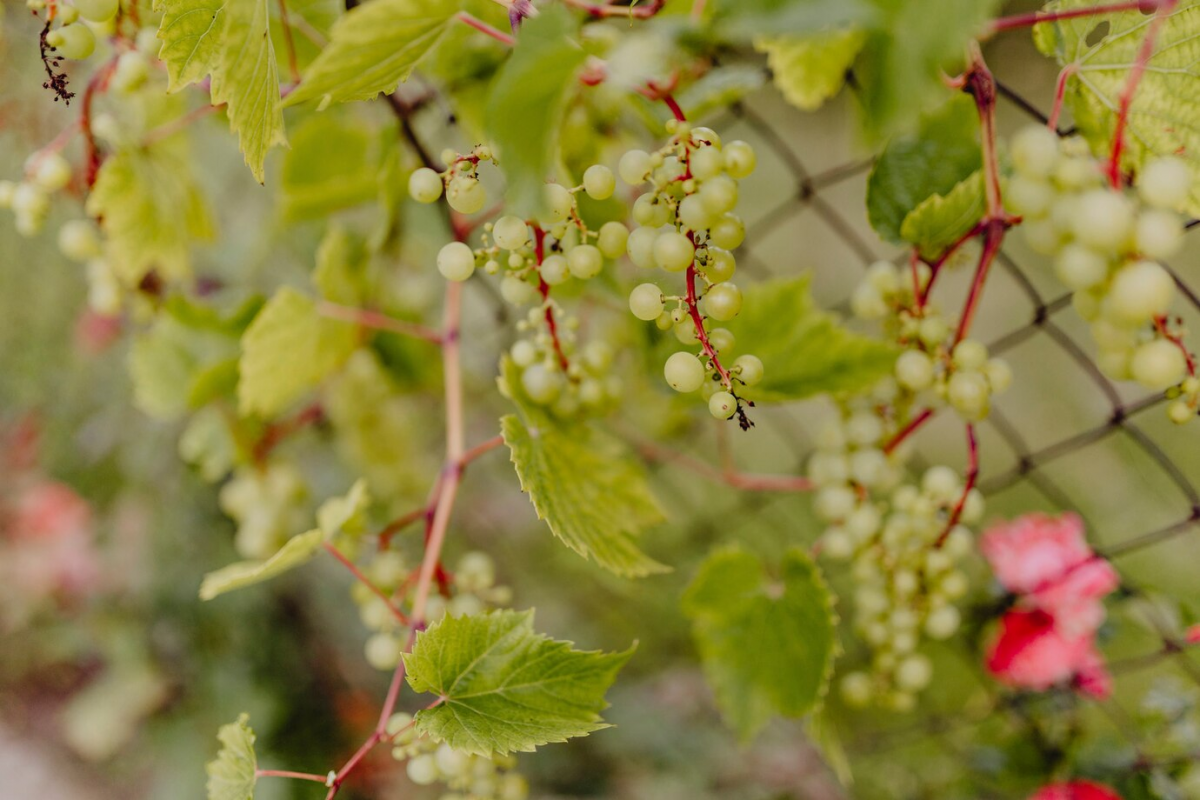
<point x="585" y="261"/>
<point x="78" y="241"/>
<point x="425" y="185"/>
<point x="721" y="265"/>
<point x="706" y="163"/>
<point x="959" y="542"/>
<point x="518" y="292"/>
<point x="1103" y="219"/>
<point x="648" y="211"/>
<point x="723" y="302"/>
<point x="968" y="393"/>
<point x="722" y="405"/>
<point x="597" y="356"/>
<point x="864" y="428"/>
<point x="598" y="182"/>
<point x="555" y="270"/>
<point x="75" y="41"/>
<point x="456" y="261"/>
<point x="1165" y="183"/>
<point x="523" y="353"/>
<point x="388" y="569"/>
<point x="557" y="203"/>
<point x="612" y="240"/>
<point x="1029" y="197"/>
<point x="953" y="584"/>
<point x="868" y="466"/>
<point x="52" y="172"/>
<point x="829" y="468"/>
<point x="704" y="136"/>
<point x="749" y="369"/>
<point x="646" y="302"/>
<point x="693" y="214"/>
<point x="1076" y="173"/>
<point x="634" y="166"/>
<point x="664" y="321"/>
<point x="999" y="375"/>
<point x="131" y="71"/>
<point x="834" y="503"/>
<point x="1110" y="336"/>
<point x="541" y="383"/>
<point x="933" y="330"/>
<point x="450" y="762"/>
<point x="30" y="200"/>
<point x="685" y="332"/>
<point x="97" y="10"/>
<point x="970" y="354"/>
<point x="1080" y="267"/>
<point x="422" y="770"/>
<point x="510" y="232"/>
<point x="669" y="171"/>
<point x="67" y="14"/>
<point x="727" y="232"/>
<point x="740" y="159"/>
<point x="1180" y="412"/>
<point x="383" y="651"/>
<point x="941" y="483"/>
<point x="1034" y="151"/>
<point x="466" y="194"/>
<point x="684" y="372"/>
<point x="1158" y="234"/>
<point x="641" y="247"/>
<point x="721" y="339"/>
<point x="1158" y="364"/>
<point x="1139" y="291"/>
<point x="837" y="544"/>
<point x="942" y="622"/>
<point x="719" y="195"/>
<point x="914" y="370"/>
<point x="673" y="251"/>
<point x="867" y="303"/>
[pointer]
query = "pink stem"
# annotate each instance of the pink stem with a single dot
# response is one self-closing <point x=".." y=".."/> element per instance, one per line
<point x="1131" y="84"/>
<point x="483" y="27"/>
<point x="1060" y="94"/>
<point x="908" y="430"/>
<point x="377" y="321"/>
<point x="1035" y="17"/>
<point x="971" y="476"/>
<point x="283" y="773"/>
<point x="400" y="616"/>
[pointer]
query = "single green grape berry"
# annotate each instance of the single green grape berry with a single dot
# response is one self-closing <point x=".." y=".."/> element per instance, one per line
<point x="450" y="762"/>
<point x="542" y="383"/>
<point x="749" y="369"/>
<point x="78" y="241"/>
<point x="518" y="292"/>
<point x="740" y="159"/>
<point x="648" y="211"/>
<point x="999" y="375"/>
<point x="97" y="10"/>
<point x="383" y="651"/>
<point x="555" y="270"/>
<point x="131" y="72"/>
<point x="67" y="15"/>
<point x="684" y="372"/>
<point x="722" y="405"/>
<point x="1158" y="234"/>
<point x="685" y="332"/>
<point x="867" y="303"/>
<point x="585" y="261"/>
<point x="634" y="166"/>
<point x="723" y="302"/>
<point x="942" y="622"/>
<point x="52" y="172"/>
<point x="75" y="41"/>
<point x="673" y="251"/>
<point x="425" y="185"/>
<point x="466" y="194"/>
<point x="30" y="201"/>
<point x="510" y="232"/>
<point x="1103" y="219"/>
<point x="706" y="163"/>
<point x="856" y="689"/>
<point x="523" y="353"/>
<point x="719" y="195"/>
<point x="1139" y="291"/>
<point x="557" y="203"/>
<point x="970" y="354"/>
<point x="612" y="240"/>
<point x="1180" y="412"/>
<point x="641" y="247"/>
<point x="1031" y="197"/>
<point x="1080" y="267"/>
<point x="721" y="339"/>
<point x="1158" y="364"/>
<point x="646" y="302"/>
<point x="1166" y="183"/>
<point x="702" y="136"/>
<point x="721" y="265"/>
<point x="914" y="370"/>
<point x="456" y="261"/>
<point x="598" y="182"/>
<point x="941" y="483"/>
<point x="665" y="321"/>
<point x="1115" y="362"/>
<point x="694" y="215"/>
<point x="968" y="392"/>
<point x="728" y="232"/>
<point x="1034" y="151"/>
<point x="422" y="769"/>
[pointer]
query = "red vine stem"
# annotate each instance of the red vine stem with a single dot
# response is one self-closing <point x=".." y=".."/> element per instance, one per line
<point x="1135" y="77"/>
<point x="1033" y="18"/>
<point x="283" y="773"/>
<point x="1160" y="324"/>
<point x="377" y="321"/>
<point x="483" y="27"/>
<point x="972" y="475"/>
<point x="908" y="430"/>
<point x="539" y="251"/>
<point x="1060" y="94"/>
<point x="701" y="334"/>
<point x="365" y="581"/>
<point x="674" y="106"/>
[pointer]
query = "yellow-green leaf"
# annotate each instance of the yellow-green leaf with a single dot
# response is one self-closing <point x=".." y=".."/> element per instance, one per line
<point x="192" y="34"/>
<point x="231" y="776"/>
<point x="941" y="220"/>
<point x="296" y="551"/>
<point x="345" y="514"/>
<point x="810" y="69"/>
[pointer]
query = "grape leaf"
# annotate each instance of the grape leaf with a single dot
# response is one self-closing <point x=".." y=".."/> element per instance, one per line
<point x="231" y="776"/>
<point x="192" y="34"/>
<point x="504" y="687"/>
<point x="341" y="262"/>
<point x="208" y="444"/>
<point x="940" y="221"/>
<point x="803" y="349"/>
<point x="525" y="106"/>
<point x="295" y="552"/>
<point x="288" y="349"/>
<point x="345" y="514"/>
<point x="767" y="644"/>
<point x="333" y="164"/>
<point x="810" y="69"/>
<point x="373" y="48"/>
<point x="943" y="151"/>
<point x="151" y="210"/>
<point x="247" y="81"/>
<point x="1164" y="117"/>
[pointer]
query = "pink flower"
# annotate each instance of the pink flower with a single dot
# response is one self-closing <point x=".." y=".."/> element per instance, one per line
<point x="1035" y="550"/>
<point x="1192" y="636"/>
<point x="1075" y="790"/>
<point x="1031" y="653"/>
<point x="50" y="510"/>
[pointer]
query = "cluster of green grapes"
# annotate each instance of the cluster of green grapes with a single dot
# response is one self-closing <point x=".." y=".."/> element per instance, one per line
<point x="1106" y="244"/>
<point x="902" y="540"/>
<point x="29" y="199"/>
<point x="474" y="591"/>
<point x="932" y="369"/>
<point x="81" y="23"/>
<point x="267" y="503"/>
<point x="686" y="225"/>
<point x="468" y="776"/>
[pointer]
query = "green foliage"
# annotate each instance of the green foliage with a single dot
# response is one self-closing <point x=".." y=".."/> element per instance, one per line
<point x="341" y="262"/>
<point x="525" y="104"/>
<point x="594" y="497"/>
<point x="504" y="687"/>
<point x="1163" y="119"/>
<point x="287" y="350"/>
<point x="373" y="48"/>
<point x="943" y="151"/>
<point x="295" y="552"/>
<point x="767" y="641"/>
<point x="940" y="221"/>
<point x="810" y="69"/>
<point x="334" y="163"/>
<point x="803" y="349"/>
<point x="192" y="34"/>
<point x="231" y="776"/>
<point x="754" y="18"/>
<point x="345" y="514"/>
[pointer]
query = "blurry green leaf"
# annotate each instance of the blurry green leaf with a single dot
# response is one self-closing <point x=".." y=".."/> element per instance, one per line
<point x="908" y="49"/>
<point x="233" y="774"/>
<point x="504" y="687"/>
<point x="248" y="81"/>
<point x="940" y="221"/>
<point x="373" y="48"/>
<point x="333" y="164"/>
<point x="747" y="19"/>
<point x="341" y="258"/>
<point x="767" y="643"/>
<point x="823" y="734"/>
<point x="177" y="367"/>
<point x="192" y="34"/>
<point x="525" y="106"/>
<point x="345" y="514"/>
<point x="1164" y="117"/>
<point x="720" y="88"/>
<point x="151" y="210"/>
<point x="297" y="551"/>
<point x="287" y="350"/>
<point x="932" y="160"/>
<point x="208" y="444"/>
<point x="803" y="349"/>
<point x="810" y="69"/>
